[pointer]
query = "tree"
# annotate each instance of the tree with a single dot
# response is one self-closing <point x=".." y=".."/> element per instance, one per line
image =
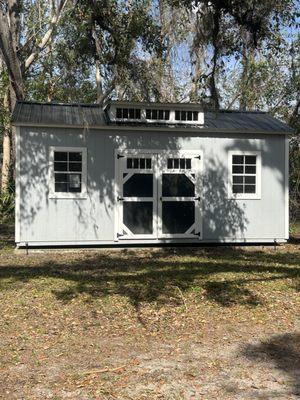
<point x="226" y="29"/>
<point x="20" y="48"/>
<point x="113" y="36"/>
<point x="218" y="53"/>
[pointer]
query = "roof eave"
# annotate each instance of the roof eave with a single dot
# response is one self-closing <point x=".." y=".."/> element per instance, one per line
<point x="155" y="128"/>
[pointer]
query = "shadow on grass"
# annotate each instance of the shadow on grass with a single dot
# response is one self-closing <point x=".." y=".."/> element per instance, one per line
<point x="160" y="276"/>
<point x="228" y="293"/>
<point x="284" y="352"/>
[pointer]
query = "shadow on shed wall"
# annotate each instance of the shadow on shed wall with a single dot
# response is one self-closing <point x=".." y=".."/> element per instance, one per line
<point x="223" y="217"/>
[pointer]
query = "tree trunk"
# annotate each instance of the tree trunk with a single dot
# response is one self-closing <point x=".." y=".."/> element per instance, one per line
<point x="8" y="145"/>
<point x="244" y="79"/>
<point x="194" y="94"/>
<point x="98" y="82"/>
<point x="247" y="89"/>
<point x="6" y="160"/>
<point x="98" y="64"/>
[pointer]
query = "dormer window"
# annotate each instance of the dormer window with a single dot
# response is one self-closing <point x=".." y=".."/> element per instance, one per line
<point x="182" y="115"/>
<point x="154" y="113"/>
<point x="128" y="113"/>
<point x="158" y="114"/>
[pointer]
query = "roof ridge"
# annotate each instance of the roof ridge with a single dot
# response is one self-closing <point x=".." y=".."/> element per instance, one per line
<point x="224" y="110"/>
<point x="53" y="103"/>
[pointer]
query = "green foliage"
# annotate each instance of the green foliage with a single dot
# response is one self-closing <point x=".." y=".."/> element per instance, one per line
<point x="7" y="205"/>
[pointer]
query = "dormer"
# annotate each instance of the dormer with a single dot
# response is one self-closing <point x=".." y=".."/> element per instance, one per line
<point x="155" y="113"/>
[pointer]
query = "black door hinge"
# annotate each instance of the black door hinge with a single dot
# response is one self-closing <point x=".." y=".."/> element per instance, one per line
<point x="119" y="156"/>
<point x="120" y="198"/>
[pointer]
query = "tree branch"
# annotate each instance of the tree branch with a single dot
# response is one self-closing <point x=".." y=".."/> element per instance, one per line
<point x="105" y="95"/>
<point x="43" y="43"/>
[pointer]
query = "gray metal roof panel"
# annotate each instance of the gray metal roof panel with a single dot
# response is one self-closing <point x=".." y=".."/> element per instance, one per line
<point x="245" y="121"/>
<point x="92" y="115"/>
<point x="58" y="114"/>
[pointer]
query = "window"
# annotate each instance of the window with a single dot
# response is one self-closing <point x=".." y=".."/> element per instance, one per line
<point x="245" y="169"/>
<point x="181" y="115"/>
<point x="158" y="114"/>
<point x="128" y="113"/>
<point x="138" y="163"/>
<point x="179" y="163"/>
<point x="68" y="172"/>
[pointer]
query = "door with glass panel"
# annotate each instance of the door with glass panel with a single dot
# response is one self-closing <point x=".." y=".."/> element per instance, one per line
<point x="137" y="196"/>
<point x="158" y="195"/>
<point x="179" y="195"/>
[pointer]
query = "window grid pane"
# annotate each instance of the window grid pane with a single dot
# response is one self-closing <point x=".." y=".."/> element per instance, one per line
<point x="138" y="163"/>
<point x="157" y="114"/>
<point x="181" y="115"/>
<point x="60" y="156"/>
<point x="67" y="182"/>
<point x="179" y="163"/>
<point x="128" y="113"/>
<point x="67" y="171"/>
<point x="244" y="174"/>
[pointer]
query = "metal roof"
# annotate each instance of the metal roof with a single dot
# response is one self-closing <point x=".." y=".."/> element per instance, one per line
<point x="57" y="114"/>
<point x="93" y="116"/>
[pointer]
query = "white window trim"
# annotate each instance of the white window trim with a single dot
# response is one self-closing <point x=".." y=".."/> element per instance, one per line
<point x="245" y="196"/>
<point x="61" y="195"/>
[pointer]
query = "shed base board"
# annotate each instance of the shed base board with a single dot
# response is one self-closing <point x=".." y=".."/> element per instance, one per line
<point x="152" y="243"/>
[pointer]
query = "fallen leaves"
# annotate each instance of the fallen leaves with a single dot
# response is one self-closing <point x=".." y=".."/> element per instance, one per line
<point x="140" y="329"/>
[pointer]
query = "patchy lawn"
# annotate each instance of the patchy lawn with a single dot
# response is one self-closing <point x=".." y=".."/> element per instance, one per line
<point x="215" y="323"/>
<point x="295" y="229"/>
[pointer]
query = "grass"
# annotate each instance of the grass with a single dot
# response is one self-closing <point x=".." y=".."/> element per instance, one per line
<point x="295" y="229"/>
<point x="160" y="324"/>
<point x="6" y="236"/>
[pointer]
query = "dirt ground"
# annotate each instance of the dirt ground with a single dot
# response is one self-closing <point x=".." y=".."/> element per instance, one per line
<point x="189" y="323"/>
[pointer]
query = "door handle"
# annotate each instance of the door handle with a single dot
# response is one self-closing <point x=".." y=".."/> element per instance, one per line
<point x="197" y="198"/>
<point x="120" y="198"/>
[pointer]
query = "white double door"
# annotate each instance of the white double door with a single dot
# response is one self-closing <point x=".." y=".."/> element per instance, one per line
<point x="158" y="194"/>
